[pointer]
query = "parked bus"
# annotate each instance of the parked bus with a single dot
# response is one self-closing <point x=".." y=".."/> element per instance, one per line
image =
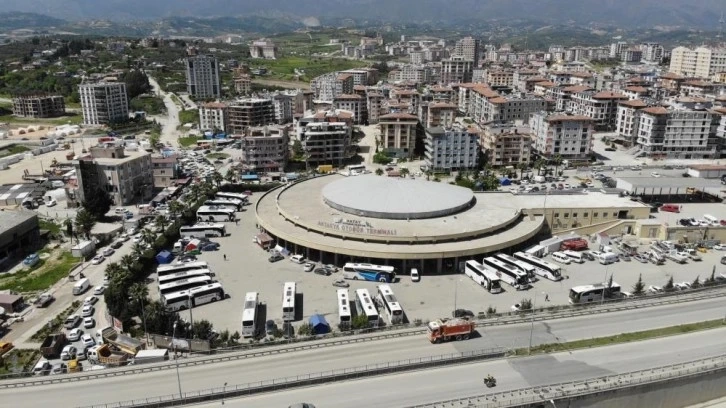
<point x="200" y="295"/>
<point x="365" y="307"/>
<point x="203" y="229"/>
<point x="249" y="315"/>
<point x="523" y="266"/>
<point x="214" y="213"/>
<point x="483" y="276"/>
<point x="507" y="273"/>
<point x="343" y="308"/>
<point x="288" y="301"/>
<point x="184" y="284"/>
<point x="184" y="275"/>
<point x="236" y="196"/>
<point x="390" y="304"/>
<point x="225" y="203"/>
<point x="592" y="293"/>
<point x="369" y="272"/>
<point x="164" y="270"/>
<point x="355" y="169"/>
<point x="543" y="268"/>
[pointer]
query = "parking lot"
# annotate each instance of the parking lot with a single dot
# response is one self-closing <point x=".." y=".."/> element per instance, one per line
<point x="248" y="270"/>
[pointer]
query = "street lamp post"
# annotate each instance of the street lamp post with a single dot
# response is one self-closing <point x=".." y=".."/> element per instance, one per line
<point x="178" y="378"/>
<point x="191" y="320"/>
<point x="605" y="286"/>
<point x="531" y="327"/>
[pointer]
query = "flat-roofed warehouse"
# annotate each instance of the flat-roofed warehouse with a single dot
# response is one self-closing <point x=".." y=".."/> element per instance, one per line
<point x="417" y="223"/>
<point x="19" y="233"/>
<point x="671" y="188"/>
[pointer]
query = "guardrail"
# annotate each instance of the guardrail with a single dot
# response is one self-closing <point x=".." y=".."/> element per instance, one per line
<point x="309" y="379"/>
<point x="572" y="389"/>
<point x="267" y="349"/>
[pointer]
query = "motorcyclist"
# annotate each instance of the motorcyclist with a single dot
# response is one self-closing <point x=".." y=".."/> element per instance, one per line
<point x="489" y="379"/>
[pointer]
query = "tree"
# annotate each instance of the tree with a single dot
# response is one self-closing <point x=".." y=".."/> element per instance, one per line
<point x="85" y="221"/>
<point x="137" y="83"/>
<point x="639" y="287"/>
<point x="138" y="293"/>
<point x="128" y="262"/>
<point x="176" y="208"/>
<point x="669" y="285"/>
<point x="381" y="158"/>
<point x="217" y="178"/>
<point x="609" y="287"/>
<point x="202" y="329"/>
<point x="359" y="322"/>
<point x="557" y="161"/>
<point x="230" y="175"/>
<point x="148" y="236"/>
<point x="297" y="149"/>
<point x="526" y="304"/>
<point x="158" y="319"/>
<point x="710" y="281"/>
<point x="98" y="203"/>
<point x="379" y="171"/>
<point x="538" y="164"/>
<point x="162" y="222"/>
<point x="115" y="272"/>
<point x="696" y="282"/>
<point x="69" y="228"/>
<point x="305" y="329"/>
<point x="522" y="167"/>
<point x="405" y="172"/>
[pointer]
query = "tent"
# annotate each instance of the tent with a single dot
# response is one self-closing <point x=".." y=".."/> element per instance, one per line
<point x="320" y="326"/>
<point x="164" y="257"/>
<point x="505" y="181"/>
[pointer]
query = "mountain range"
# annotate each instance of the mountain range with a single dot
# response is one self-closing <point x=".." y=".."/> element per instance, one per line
<point x="698" y="14"/>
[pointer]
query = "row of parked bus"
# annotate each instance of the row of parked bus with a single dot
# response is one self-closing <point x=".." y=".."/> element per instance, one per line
<point x="518" y="271"/>
<point x="187" y="285"/>
<point x="222" y="208"/>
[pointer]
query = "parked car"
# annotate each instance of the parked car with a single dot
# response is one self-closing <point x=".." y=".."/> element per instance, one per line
<point x="640" y="258"/>
<point x="719" y="247"/>
<point x="275" y="258"/>
<point x="341" y="283"/>
<point x="88" y="341"/>
<point x="308" y="267"/>
<point x="68" y="353"/>
<point x="97" y="259"/>
<point x="321" y="271"/>
<point x="209" y="246"/>
<point x="108" y="252"/>
<point x="88" y="310"/>
<point x="75" y="334"/>
<point x="624" y="257"/>
<point x="99" y="290"/>
<point x="91" y="300"/>
<point x="270" y="327"/>
<point x="462" y="313"/>
<point x="299" y="259"/>
<point x="31" y="260"/>
<point x="59" y="368"/>
<point x="655" y="289"/>
<point x="89" y="323"/>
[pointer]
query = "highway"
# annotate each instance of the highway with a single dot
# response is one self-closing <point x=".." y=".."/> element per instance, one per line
<point x="353" y="355"/>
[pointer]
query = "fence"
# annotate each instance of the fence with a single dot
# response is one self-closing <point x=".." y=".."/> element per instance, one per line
<point x="583" y="387"/>
<point x="309" y="379"/>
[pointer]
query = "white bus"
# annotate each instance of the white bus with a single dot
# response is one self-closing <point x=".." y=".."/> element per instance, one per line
<point x="225" y="203"/>
<point x="180" y="267"/>
<point x="508" y="273"/>
<point x="483" y="276"/>
<point x="390" y="304"/>
<point x="203" y="229"/>
<point x="203" y="294"/>
<point x="355" y="169"/>
<point x="184" y="275"/>
<point x="369" y="272"/>
<point x="236" y="196"/>
<point x="249" y="315"/>
<point x="288" y="301"/>
<point x="343" y="308"/>
<point x="592" y="293"/>
<point x="214" y="213"/>
<point x="184" y="284"/>
<point x="545" y="269"/>
<point x="365" y="307"/>
<point x="523" y="266"/>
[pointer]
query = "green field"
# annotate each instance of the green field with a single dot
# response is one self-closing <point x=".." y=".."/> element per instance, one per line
<point x="68" y="118"/>
<point x="14" y="149"/>
<point x="284" y="68"/>
<point x="42" y="276"/>
<point x="188" y="141"/>
<point x="188" y="116"/>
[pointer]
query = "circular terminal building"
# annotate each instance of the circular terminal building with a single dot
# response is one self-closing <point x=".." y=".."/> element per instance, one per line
<point x="400" y="222"/>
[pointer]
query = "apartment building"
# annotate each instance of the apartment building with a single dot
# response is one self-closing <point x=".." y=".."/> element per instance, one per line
<point x="103" y="102"/>
<point x="417" y="57"/>
<point x="38" y="106"/>
<point x="675" y="132"/>
<point x="374" y="106"/>
<point x="499" y="77"/>
<point x="398" y="134"/>
<point x="416" y="74"/>
<point x="602" y="107"/>
<point x="628" y="118"/>
<point x="511" y="108"/>
<point x="409" y="97"/>
<point x="437" y="114"/>
<point x="165" y="170"/>
<point x="242" y="83"/>
<point x="718" y="129"/>
<point x="631" y="55"/>
<point x="652" y="52"/>
<point x="452" y="149"/>
<point x="507" y="144"/>
<point x="353" y="103"/>
<point x="671" y="81"/>
<point x="699" y="88"/>
<point x="442" y="94"/>
<point x="282" y="106"/>
<point x="126" y="175"/>
<point x="700" y="62"/>
<point x="362" y="76"/>
<point x="263" y="48"/>
<point x="265" y="149"/>
<point x="202" y="73"/>
<point x="456" y="70"/>
<point x="244" y="113"/>
<point x="469" y="49"/>
<point x="326" y="137"/>
<point x="569" y="136"/>
<point x="327" y="86"/>
<point x="213" y="115"/>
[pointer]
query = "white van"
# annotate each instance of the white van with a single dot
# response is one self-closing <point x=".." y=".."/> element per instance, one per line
<point x="711" y="219"/>
<point x="298" y="259"/>
<point x="606" y="258"/>
<point x="81" y="286"/>
<point x="415" y="277"/>
<point x="561" y="258"/>
<point x="574" y="256"/>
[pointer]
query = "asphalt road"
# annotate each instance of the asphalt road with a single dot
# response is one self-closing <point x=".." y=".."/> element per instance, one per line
<point x="313" y="361"/>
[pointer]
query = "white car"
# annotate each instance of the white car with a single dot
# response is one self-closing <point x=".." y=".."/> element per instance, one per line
<point x="298" y="259"/>
<point x="719" y="247"/>
<point x="88" y="322"/>
<point x="88" y="311"/>
<point x="99" y="289"/>
<point x="655" y="289"/>
<point x="308" y="267"/>
<point x="91" y="300"/>
<point x="88" y="341"/>
<point x="69" y="352"/>
<point x="137" y="239"/>
<point x="75" y="334"/>
<point x="108" y="252"/>
<point x="51" y="203"/>
<point x="655" y="174"/>
<point x="97" y="259"/>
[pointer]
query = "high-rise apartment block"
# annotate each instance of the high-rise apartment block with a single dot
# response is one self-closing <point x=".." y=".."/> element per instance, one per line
<point x="569" y="136"/>
<point x="38" y="106"/>
<point x="468" y="48"/>
<point x="455" y="148"/>
<point x="104" y="102"/>
<point x="203" y="76"/>
<point x="701" y="62"/>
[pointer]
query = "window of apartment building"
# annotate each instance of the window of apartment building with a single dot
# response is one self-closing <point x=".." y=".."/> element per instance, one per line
<point x="615" y="214"/>
<point x="567" y="215"/>
<point x="574" y="215"/>
<point x="595" y="214"/>
<point x="584" y="215"/>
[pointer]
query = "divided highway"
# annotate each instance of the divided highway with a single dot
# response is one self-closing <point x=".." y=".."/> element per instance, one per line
<point x="206" y="376"/>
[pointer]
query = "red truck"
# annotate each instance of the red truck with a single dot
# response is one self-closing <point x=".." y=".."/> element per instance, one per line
<point x="52" y="345"/>
<point x="459" y="328"/>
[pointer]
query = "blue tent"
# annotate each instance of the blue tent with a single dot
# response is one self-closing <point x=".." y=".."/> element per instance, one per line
<point x="505" y="181"/>
<point x="164" y="257"/>
<point x="320" y="325"/>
